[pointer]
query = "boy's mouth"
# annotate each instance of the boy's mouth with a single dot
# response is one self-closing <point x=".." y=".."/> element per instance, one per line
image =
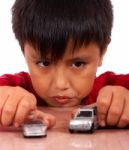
<point x="61" y="99"/>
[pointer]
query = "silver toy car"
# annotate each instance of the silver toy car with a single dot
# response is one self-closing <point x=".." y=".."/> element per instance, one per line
<point x="85" y="120"/>
<point x="34" y="128"/>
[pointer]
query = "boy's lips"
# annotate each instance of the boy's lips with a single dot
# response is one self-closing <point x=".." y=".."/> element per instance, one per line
<point x="61" y="99"/>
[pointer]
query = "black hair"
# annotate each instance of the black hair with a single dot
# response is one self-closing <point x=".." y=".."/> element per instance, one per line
<point x="48" y="25"/>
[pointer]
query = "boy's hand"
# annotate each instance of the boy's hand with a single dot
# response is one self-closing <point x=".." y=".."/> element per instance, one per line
<point x="16" y="104"/>
<point x="113" y="106"/>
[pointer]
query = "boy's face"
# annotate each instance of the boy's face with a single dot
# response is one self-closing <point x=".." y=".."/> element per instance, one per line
<point x="66" y="82"/>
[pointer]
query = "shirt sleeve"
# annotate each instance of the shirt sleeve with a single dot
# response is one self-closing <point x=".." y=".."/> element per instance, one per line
<point x="21" y="79"/>
<point x="107" y="78"/>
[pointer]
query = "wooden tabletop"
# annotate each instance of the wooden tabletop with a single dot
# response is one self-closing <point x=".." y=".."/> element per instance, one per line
<point x="59" y="138"/>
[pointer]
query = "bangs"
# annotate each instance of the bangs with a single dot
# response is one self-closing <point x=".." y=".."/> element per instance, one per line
<point x="53" y="39"/>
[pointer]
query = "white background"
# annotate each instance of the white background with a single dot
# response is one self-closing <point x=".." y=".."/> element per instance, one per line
<point x="116" y="59"/>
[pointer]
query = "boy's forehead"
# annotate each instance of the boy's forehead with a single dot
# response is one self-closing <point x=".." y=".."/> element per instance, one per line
<point x="70" y="51"/>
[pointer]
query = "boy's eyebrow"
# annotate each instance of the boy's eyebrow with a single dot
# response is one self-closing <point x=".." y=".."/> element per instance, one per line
<point x="35" y="55"/>
<point x="79" y="58"/>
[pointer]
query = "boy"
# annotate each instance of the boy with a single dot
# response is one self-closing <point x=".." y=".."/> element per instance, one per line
<point x="63" y="42"/>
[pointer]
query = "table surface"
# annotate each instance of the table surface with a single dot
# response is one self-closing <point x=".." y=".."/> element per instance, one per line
<point x="59" y="138"/>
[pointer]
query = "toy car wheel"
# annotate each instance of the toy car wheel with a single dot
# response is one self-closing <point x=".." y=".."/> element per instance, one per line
<point x="92" y="128"/>
<point x="71" y="131"/>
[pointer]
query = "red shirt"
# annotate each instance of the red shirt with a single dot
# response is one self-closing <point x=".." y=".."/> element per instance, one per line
<point x="23" y="79"/>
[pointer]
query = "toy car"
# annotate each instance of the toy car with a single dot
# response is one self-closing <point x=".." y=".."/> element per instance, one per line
<point x="34" y="128"/>
<point x="85" y="120"/>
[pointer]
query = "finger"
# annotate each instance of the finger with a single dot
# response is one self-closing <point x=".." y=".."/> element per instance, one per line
<point x="104" y="101"/>
<point x="3" y="99"/>
<point x="25" y="106"/>
<point x="115" y="109"/>
<point x="9" y="109"/>
<point x="48" y="119"/>
<point x="74" y="112"/>
<point x="124" y="119"/>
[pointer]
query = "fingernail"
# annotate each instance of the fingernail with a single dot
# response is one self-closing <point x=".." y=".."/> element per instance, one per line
<point x="31" y="116"/>
<point x="102" y="123"/>
<point x="46" y="122"/>
<point x="16" y="125"/>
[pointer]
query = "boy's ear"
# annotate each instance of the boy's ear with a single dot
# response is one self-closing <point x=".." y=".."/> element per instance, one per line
<point x="103" y="53"/>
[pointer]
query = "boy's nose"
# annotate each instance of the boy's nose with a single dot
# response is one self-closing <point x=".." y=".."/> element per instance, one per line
<point x="61" y="80"/>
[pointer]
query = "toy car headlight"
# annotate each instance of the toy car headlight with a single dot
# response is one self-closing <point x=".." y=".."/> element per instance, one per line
<point x="73" y="122"/>
<point x="89" y="123"/>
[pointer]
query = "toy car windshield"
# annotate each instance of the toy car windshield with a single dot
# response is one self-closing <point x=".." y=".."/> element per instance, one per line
<point x="84" y="114"/>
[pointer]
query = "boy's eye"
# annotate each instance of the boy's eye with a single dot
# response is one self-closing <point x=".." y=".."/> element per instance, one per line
<point x="44" y="63"/>
<point x="78" y="64"/>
